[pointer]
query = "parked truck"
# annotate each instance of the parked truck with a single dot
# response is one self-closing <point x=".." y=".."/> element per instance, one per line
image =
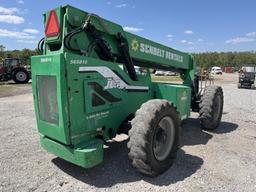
<point x="86" y="91"/>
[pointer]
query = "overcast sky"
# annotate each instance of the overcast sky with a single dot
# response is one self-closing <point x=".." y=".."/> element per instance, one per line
<point x="191" y="26"/>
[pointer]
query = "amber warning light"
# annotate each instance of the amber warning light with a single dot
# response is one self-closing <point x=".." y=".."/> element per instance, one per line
<point x="53" y="27"/>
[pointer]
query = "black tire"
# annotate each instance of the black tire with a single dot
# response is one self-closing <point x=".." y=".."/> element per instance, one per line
<point x="145" y="132"/>
<point x="20" y="76"/>
<point x="211" y="107"/>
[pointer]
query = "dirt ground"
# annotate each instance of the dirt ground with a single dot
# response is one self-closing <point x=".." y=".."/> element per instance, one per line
<point x="8" y="89"/>
<point x="223" y="160"/>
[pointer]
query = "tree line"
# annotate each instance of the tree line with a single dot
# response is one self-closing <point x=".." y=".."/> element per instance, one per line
<point x="22" y="54"/>
<point x="204" y="60"/>
<point x="225" y="59"/>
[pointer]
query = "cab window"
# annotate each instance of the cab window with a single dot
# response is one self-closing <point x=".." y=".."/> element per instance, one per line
<point x="11" y="62"/>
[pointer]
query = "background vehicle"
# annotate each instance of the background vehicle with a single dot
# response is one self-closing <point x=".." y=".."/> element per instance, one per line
<point x="169" y="73"/>
<point x="137" y="70"/>
<point x="159" y="73"/>
<point x="14" y="69"/>
<point x="247" y="76"/>
<point x="83" y="97"/>
<point x="216" y="71"/>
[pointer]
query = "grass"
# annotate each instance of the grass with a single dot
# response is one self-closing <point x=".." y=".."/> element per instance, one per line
<point x="166" y="78"/>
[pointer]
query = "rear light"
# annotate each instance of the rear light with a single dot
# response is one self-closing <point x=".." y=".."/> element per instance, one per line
<point x="53" y="27"/>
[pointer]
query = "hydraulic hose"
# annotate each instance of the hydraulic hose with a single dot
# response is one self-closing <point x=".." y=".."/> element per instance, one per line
<point x="69" y="36"/>
<point x="40" y="45"/>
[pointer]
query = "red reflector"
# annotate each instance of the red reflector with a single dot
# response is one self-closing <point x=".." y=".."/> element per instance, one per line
<point x="53" y="27"/>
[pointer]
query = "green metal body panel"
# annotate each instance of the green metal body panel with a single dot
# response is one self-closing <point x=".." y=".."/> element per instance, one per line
<point x="180" y="95"/>
<point x="86" y="157"/>
<point x="79" y="99"/>
<point x="45" y="66"/>
<point x="84" y="117"/>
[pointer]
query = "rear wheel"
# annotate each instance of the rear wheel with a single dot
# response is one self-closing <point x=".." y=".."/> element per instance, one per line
<point x="211" y="107"/>
<point x="20" y="76"/>
<point x="154" y="137"/>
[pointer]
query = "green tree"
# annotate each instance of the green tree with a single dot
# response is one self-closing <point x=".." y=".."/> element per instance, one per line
<point x="225" y="59"/>
<point x="2" y="50"/>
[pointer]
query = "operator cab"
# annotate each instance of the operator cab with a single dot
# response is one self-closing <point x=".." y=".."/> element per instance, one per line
<point x="249" y="69"/>
<point x="247" y="76"/>
<point x="12" y="62"/>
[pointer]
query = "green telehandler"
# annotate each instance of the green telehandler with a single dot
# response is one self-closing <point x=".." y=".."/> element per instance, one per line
<point x="86" y="91"/>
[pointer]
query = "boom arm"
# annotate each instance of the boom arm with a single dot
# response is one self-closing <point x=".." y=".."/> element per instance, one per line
<point x="105" y="40"/>
<point x="150" y="54"/>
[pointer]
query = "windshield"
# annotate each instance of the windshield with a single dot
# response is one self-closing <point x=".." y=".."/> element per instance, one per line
<point x="11" y="62"/>
<point x="251" y="69"/>
<point x="216" y="69"/>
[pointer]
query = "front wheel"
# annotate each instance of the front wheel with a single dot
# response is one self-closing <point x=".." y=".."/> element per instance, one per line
<point x="20" y="76"/>
<point x="211" y="107"/>
<point x="154" y="137"/>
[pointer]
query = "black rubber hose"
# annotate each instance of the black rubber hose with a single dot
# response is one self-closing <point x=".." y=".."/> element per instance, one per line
<point x="104" y="50"/>
<point x="127" y="58"/>
<point x="40" y="45"/>
<point x="71" y="36"/>
<point x="68" y="38"/>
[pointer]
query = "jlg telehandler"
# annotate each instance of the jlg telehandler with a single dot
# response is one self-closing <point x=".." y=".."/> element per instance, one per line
<point x="86" y="91"/>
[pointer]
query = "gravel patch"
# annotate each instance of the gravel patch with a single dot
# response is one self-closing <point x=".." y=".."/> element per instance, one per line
<point x="223" y="160"/>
